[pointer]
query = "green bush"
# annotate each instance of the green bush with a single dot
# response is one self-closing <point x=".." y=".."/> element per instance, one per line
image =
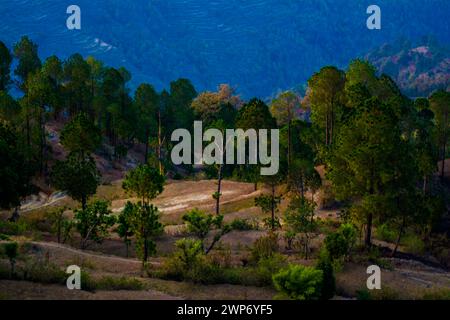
<point x="328" y="289"/>
<point x="4" y="237"/>
<point x="14" y="228"/>
<point x="118" y="283"/>
<point x="385" y="233"/>
<point x="339" y="243"/>
<point x="298" y="282"/>
<point x="264" y="247"/>
<point x="413" y="244"/>
<point x="440" y="294"/>
<point x="185" y="257"/>
<point x="269" y="266"/>
<point x="241" y="225"/>
<point x="39" y="271"/>
<point x="87" y="283"/>
<point x="385" y="293"/>
<point x="190" y="264"/>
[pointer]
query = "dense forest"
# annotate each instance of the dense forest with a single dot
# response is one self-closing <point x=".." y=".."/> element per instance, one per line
<point x="376" y="154"/>
<point x="253" y="44"/>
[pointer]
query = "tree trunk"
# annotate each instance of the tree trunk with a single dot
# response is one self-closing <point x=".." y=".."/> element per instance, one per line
<point x="444" y="147"/>
<point x="126" y="245"/>
<point x="145" y="258"/>
<point x="443" y="159"/>
<point x="368" y="242"/>
<point x="273" y="207"/>
<point x="159" y="144"/>
<point x="425" y="178"/>
<point x="146" y="145"/>
<point x="15" y="215"/>
<point x="289" y="150"/>
<point x="83" y="202"/>
<point x="219" y="190"/>
<point x="399" y="237"/>
<point x="59" y="229"/>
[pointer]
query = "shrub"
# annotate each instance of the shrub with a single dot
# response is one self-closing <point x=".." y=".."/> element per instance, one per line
<point x="241" y="225"/>
<point x="87" y="283"/>
<point x="268" y="266"/>
<point x="328" y="289"/>
<point x="93" y="223"/>
<point x="264" y="247"/>
<point x="385" y="293"/>
<point x="383" y="232"/>
<point x="118" y="283"/>
<point x="267" y="222"/>
<point x="40" y="271"/>
<point x="185" y="257"/>
<point x="4" y="237"/>
<point x="299" y="282"/>
<point x="440" y="294"/>
<point x="11" y="250"/>
<point x="339" y="243"/>
<point x="14" y="228"/>
<point x="200" y="224"/>
<point x="413" y="244"/>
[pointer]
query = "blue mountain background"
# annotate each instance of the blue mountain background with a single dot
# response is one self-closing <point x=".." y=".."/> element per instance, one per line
<point x="257" y="46"/>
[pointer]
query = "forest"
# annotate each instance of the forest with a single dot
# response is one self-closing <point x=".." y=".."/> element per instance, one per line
<point x="363" y="179"/>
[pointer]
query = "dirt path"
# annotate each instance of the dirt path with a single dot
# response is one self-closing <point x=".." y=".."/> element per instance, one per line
<point x="34" y="291"/>
<point x="180" y="196"/>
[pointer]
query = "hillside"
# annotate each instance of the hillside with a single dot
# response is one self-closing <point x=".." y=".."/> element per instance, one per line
<point x="418" y="69"/>
<point x="259" y="46"/>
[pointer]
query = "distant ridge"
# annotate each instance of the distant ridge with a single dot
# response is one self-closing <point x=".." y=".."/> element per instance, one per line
<point x="257" y="46"/>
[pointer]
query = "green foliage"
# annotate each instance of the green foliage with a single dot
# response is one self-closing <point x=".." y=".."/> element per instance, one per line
<point x="440" y="105"/>
<point x="93" y="223"/>
<point x="414" y="244"/>
<point x="189" y="263"/>
<point x="118" y="283"/>
<point x="42" y="271"/>
<point x="241" y="225"/>
<point x="265" y="202"/>
<point x="27" y="53"/>
<point x="300" y="216"/>
<point x="15" y="172"/>
<point x="439" y="294"/>
<point x="188" y="252"/>
<point x="61" y="226"/>
<point x="125" y="224"/>
<point x="14" y="228"/>
<point x="325" y="264"/>
<point x="144" y="225"/>
<point x="385" y="233"/>
<point x="325" y="96"/>
<point x="255" y="115"/>
<point x="385" y="293"/>
<point x="80" y="135"/>
<point x="5" y="67"/>
<point x="298" y="282"/>
<point x="268" y="266"/>
<point x="11" y="250"/>
<point x="339" y="243"/>
<point x="264" y="247"/>
<point x="201" y="223"/>
<point x="285" y="107"/>
<point x="182" y="93"/>
<point x="144" y="181"/>
<point x="78" y="176"/>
